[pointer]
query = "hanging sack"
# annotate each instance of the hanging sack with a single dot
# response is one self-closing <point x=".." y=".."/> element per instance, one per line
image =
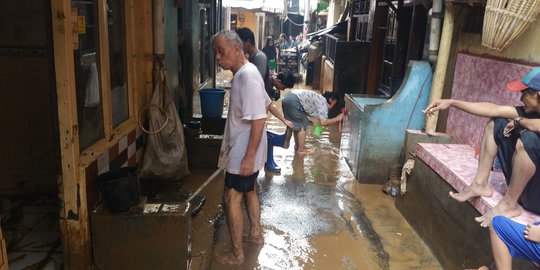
<point x="165" y="156"/>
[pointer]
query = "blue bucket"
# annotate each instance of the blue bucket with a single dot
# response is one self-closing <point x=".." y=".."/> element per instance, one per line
<point x="212" y="102"/>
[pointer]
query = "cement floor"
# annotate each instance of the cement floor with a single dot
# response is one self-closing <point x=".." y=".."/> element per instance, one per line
<point x="315" y="215"/>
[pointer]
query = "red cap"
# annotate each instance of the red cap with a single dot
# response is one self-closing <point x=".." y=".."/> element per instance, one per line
<point x="516" y="86"/>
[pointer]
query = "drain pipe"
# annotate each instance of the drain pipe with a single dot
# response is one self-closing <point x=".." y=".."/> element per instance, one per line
<point x="435" y="31"/>
<point x="442" y="63"/>
<point x="158" y="21"/>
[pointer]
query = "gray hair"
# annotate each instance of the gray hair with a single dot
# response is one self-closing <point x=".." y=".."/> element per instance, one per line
<point x="230" y="36"/>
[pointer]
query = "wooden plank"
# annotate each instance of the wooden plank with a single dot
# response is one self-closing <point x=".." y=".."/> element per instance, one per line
<point x="74" y="229"/>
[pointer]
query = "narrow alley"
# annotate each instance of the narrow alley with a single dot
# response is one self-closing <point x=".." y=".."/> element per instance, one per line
<point x="315" y="215"/>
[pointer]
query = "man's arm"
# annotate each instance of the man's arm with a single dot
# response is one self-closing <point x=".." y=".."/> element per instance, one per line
<point x="261" y="63"/>
<point x="275" y="112"/>
<point x="257" y="127"/>
<point x="485" y="109"/>
<point x="527" y="123"/>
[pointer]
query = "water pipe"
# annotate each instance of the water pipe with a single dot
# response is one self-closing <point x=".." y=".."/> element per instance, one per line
<point x="436" y="16"/>
<point x="158" y="21"/>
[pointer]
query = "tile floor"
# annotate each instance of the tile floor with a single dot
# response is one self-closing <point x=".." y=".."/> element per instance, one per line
<point x="31" y="228"/>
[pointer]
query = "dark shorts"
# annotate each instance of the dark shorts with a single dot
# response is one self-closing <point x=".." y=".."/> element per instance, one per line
<point x="511" y="233"/>
<point x="507" y="147"/>
<point x="241" y="183"/>
<point x="294" y="112"/>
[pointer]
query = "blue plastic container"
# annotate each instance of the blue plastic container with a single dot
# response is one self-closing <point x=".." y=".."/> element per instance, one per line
<point x="212" y="102"/>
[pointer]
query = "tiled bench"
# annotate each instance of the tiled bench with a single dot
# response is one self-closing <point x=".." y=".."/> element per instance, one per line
<point x="456" y="164"/>
<point x="447" y="226"/>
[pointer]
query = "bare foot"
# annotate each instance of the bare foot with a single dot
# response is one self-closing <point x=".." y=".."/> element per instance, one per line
<point x="474" y="190"/>
<point x="229" y="258"/>
<point x="304" y="152"/>
<point x="503" y="208"/>
<point x="258" y="240"/>
<point x="532" y="232"/>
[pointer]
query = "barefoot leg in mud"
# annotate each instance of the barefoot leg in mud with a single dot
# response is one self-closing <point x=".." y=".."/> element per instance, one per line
<point x="233" y="207"/>
<point x="301" y="143"/>
<point x="480" y="185"/>
<point x="254" y="215"/>
<point x="229" y="258"/>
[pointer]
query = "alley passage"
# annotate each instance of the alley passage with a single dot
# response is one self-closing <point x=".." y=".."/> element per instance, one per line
<point x="315" y="215"/>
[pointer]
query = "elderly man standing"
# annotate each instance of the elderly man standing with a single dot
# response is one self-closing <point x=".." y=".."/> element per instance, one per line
<point x="243" y="149"/>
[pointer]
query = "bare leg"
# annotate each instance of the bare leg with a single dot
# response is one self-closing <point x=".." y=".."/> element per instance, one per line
<point x="523" y="170"/>
<point x="295" y="135"/>
<point x="480" y="185"/>
<point x="254" y="214"/>
<point x="235" y="222"/>
<point x="302" y="142"/>
<point x="501" y="255"/>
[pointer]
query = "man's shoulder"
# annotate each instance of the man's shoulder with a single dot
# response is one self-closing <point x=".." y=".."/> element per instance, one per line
<point x="260" y="56"/>
<point x="247" y="68"/>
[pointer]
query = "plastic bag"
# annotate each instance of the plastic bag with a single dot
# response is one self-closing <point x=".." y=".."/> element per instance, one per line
<point x="165" y="155"/>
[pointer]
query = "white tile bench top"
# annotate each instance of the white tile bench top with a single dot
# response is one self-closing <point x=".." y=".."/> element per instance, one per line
<point x="457" y="165"/>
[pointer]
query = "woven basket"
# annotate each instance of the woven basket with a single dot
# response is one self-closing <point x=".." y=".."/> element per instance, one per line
<point x="505" y="20"/>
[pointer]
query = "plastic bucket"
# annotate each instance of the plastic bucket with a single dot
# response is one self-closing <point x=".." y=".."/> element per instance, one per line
<point x="120" y="188"/>
<point x="317" y="130"/>
<point x="212" y="102"/>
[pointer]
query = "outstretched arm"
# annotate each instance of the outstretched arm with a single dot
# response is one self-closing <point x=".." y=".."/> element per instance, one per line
<point x="485" y="109"/>
<point x="332" y="120"/>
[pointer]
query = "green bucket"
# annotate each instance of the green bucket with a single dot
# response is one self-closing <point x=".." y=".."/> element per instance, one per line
<point x="318" y="130"/>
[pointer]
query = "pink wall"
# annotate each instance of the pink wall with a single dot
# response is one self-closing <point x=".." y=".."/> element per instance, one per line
<point x="480" y="79"/>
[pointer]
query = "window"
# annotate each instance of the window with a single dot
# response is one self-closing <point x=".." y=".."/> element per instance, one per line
<point x="234" y="21"/>
<point x="117" y="61"/>
<point x="99" y="70"/>
<point x="87" y="79"/>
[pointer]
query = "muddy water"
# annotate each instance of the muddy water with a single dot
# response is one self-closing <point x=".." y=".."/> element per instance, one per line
<point x="317" y="216"/>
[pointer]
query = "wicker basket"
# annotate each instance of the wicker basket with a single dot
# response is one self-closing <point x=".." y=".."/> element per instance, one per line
<point x="505" y="20"/>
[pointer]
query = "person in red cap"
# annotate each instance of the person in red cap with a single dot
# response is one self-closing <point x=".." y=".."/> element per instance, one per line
<point x="512" y="136"/>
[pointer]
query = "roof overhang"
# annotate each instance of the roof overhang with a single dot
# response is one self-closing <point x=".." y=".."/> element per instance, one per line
<point x="271" y="6"/>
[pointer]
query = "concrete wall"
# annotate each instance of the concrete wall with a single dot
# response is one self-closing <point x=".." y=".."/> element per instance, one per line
<point x="249" y="18"/>
<point x="523" y="49"/>
<point x="29" y="163"/>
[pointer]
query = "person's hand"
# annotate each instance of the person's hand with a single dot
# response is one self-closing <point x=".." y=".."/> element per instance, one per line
<point x="246" y="167"/>
<point x="288" y="123"/>
<point x="437" y="105"/>
<point x="508" y="128"/>
<point x="532" y="232"/>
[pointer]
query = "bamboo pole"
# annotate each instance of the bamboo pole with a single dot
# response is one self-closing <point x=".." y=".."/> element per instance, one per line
<point x="439" y="76"/>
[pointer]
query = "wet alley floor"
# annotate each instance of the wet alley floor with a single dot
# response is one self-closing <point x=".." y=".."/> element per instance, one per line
<point x="315" y="215"/>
